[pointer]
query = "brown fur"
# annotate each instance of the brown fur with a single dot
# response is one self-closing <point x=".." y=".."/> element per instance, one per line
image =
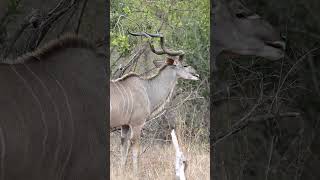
<point x="66" y="41"/>
<point x="170" y="61"/>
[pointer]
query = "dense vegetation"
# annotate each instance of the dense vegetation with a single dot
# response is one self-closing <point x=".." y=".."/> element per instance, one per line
<point x="28" y="24"/>
<point x="273" y="106"/>
<point x="185" y="26"/>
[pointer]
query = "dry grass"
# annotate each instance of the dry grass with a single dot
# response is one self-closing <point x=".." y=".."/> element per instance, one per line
<point x="157" y="161"/>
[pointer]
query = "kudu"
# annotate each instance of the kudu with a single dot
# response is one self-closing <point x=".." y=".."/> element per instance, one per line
<point x="134" y="99"/>
<point x="52" y="109"/>
<point x="240" y="31"/>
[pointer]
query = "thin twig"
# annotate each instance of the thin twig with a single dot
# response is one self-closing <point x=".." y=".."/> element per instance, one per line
<point x="291" y="69"/>
<point x="245" y="121"/>
<point x="81" y="14"/>
<point x="270" y="157"/>
<point x="68" y="20"/>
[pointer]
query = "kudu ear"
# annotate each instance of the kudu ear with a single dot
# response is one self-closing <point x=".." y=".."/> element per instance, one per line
<point x="169" y="61"/>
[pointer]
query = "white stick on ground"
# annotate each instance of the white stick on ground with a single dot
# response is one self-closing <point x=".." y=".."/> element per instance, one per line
<point x="180" y="163"/>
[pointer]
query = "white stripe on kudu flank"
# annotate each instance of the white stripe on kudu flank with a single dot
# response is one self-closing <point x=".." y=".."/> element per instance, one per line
<point x="126" y="103"/>
<point x="122" y="110"/>
<point x="131" y="100"/>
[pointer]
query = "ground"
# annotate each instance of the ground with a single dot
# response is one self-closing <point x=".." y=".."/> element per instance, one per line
<point x="157" y="160"/>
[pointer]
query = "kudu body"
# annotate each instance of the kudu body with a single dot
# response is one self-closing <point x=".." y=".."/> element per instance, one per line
<point x="134" y="99"/>
<point x="238" y="30"/>
<point x="52" y="109"/>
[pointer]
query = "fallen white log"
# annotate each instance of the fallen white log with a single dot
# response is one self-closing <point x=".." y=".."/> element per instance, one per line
<point x="180" y="163"/>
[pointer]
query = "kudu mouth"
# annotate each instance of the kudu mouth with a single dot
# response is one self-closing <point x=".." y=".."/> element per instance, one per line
<point x="276" y="44"/>
<point x="195" y="77"/>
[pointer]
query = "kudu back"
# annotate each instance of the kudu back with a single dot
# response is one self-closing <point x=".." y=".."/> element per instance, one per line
<point x="134" y="99"/>
<point x="52" y="108"/>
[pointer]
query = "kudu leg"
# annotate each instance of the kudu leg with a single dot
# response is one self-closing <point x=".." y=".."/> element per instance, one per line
<point x="125" y="145"/>
<point x="135" y="140"/>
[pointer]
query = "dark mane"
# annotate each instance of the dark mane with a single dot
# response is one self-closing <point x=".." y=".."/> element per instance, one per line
<point x="53" y="46"/>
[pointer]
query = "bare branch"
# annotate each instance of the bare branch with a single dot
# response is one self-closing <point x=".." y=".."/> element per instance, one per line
<point x="30" y="19"/>
<point x="245" y="121"/>
<point x="81" y="14"/>
<point x="132" y="61"/>
<point x="270" y="156"/>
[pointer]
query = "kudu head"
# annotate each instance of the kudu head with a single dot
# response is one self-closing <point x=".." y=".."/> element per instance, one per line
<point x="239" y="30"/>
<point x="174" y="60"/>
<point x="183" y="71"/>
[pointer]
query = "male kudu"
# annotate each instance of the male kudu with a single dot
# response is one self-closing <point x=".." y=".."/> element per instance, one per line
<point x="240" y="31"/>
<point x="134" y="99"/>
<point x="52" y="112"/>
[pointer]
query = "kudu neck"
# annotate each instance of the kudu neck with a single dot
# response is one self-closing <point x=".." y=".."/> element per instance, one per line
<point x="160" y="87"/>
